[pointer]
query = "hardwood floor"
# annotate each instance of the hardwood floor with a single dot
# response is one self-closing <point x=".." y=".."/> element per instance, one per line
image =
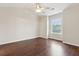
<point x="38" y="47"/>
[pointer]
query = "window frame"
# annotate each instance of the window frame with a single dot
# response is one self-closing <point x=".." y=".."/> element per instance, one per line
<point x="58" y="17"/>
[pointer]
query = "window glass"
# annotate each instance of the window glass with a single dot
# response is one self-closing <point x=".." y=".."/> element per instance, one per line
<point x="56" y="25"/>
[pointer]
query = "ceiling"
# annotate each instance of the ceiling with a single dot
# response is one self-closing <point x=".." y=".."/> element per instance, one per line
<point x="58" y="7"/>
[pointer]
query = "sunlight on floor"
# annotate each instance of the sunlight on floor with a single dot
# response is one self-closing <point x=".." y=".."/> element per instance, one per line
<point x="56" y="49"/>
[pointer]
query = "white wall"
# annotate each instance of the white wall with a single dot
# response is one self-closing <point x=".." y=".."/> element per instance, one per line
<point x="43" y="26"/>
<point x="51" y="34"/>
<point x="17" y="24"/>
<point x="71" y="25"/>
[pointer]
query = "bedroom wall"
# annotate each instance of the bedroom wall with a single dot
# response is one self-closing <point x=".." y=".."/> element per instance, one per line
<point x="17" y="24"/>
<point x="43" y="26"/>
<point x="71" y="24"/>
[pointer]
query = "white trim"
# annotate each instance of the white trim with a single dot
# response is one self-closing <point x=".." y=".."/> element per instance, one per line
<point x="71" y="43"/>
<point x="56" y="33"/>
<point x="17" y="40"/>
<point x="47" y="26"/>
<point x="43" y="37"/>
<point x="56" y="38"/>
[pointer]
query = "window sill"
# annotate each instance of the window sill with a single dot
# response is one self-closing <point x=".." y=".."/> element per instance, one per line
<point x="57" y="33"/>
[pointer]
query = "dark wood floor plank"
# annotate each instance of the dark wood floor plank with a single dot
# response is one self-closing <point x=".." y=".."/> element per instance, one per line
<point x="38" y="47"/>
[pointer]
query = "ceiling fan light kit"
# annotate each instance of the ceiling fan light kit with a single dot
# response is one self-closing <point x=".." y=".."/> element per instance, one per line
<point x="39" y="8"/>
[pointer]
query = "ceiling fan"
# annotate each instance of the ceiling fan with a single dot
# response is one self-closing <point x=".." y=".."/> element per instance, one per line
<point x="39" y="8"/>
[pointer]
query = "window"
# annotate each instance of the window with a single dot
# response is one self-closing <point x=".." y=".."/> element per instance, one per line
<point x="56" y="25"/>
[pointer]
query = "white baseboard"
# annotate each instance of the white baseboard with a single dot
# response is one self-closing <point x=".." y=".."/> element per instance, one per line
<point x="43" y="36"/>
<point x="17" y="40"/>
<point x="56" y="38"/>
<point x="71" y="43"/>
